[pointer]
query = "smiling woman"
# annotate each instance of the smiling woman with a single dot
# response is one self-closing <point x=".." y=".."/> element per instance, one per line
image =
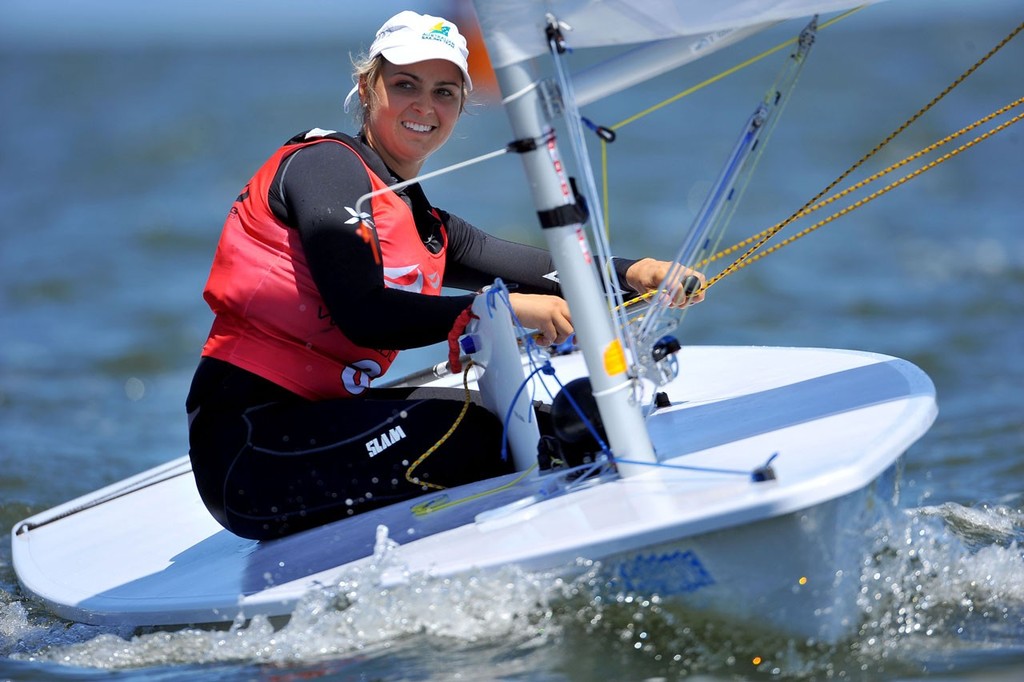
<point x="412" y="110"/>
<point x="314" y="299"/>
<point x="412" y="92"/>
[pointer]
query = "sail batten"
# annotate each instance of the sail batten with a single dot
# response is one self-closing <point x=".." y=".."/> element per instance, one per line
<point x="514" y="29"/>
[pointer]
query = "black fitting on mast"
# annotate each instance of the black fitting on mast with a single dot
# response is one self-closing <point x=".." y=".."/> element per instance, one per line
<point x="527" y="144"/>
<point x="575" y="213"/>
<point x="566" y="214"/>
<point x="553" y="31"/>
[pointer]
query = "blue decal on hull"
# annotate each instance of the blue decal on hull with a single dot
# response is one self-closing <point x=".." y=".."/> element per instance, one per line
<point x="670" y="573"/>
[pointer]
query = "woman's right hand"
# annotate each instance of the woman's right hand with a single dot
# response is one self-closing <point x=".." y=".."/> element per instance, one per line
<point x="549" y="315"/>
<point x="646" y="275"/>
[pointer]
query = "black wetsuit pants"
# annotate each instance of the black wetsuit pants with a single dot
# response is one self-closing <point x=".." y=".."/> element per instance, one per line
<point x="269" y="463"/>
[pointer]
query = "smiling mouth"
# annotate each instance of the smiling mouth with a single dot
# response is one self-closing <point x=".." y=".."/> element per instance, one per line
<point x="417" y="127"/>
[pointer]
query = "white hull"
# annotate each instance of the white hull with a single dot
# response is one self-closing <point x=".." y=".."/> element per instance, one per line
<point x="783" y="553"/>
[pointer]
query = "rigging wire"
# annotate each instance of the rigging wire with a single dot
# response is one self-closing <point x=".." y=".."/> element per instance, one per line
<point x="696" y="88"/>
<point x="578" y="143"/>
<point x="771" y="232"/>
<point x="728" y="72"/>
<point x="815" y="203"/>
<point x="719" y="206"/>
<point x="874" y="195"/>
<point x="764" y="235"/>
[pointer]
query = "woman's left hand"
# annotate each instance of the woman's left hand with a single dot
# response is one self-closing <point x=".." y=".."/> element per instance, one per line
<point x="549" y="315"/>
<point x="647" y="273"/>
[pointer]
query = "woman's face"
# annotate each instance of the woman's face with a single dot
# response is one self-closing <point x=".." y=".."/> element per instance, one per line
<point x="412" y="111"/>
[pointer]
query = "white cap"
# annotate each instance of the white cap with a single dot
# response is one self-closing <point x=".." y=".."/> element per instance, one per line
<point x="409" y="37"/>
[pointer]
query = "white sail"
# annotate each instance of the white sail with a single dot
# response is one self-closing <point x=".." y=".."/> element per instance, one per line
<point x="514" y="29"/>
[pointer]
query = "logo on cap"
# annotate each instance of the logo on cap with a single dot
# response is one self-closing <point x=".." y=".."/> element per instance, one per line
<point x="440" y="32"/>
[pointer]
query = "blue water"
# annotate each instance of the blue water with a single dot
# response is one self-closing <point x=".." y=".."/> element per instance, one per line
<point x="117" y="168"/>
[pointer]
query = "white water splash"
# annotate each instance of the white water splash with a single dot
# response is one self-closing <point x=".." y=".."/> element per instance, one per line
<point x="22" y="632"/>
<point x="355" y="615"/>
<point x="941" y="577"/>
<point x="948" y="574"/>
<point x="983" y="525"/>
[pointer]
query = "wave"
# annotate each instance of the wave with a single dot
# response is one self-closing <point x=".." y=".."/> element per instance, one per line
<point x="939" y="579"/>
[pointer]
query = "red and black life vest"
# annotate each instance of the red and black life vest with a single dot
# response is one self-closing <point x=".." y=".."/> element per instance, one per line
<point x="270" y="318"/>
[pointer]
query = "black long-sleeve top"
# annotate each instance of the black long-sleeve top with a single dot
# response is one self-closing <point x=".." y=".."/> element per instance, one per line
<point x="315" y="192"/>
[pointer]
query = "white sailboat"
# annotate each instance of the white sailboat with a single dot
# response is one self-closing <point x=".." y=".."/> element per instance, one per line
<point x="743" y="486"/>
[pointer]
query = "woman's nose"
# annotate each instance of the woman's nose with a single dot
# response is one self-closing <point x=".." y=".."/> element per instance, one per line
<point x="421" y="103"/>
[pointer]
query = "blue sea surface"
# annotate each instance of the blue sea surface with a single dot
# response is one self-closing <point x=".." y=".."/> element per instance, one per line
<point x="120" y="160"/>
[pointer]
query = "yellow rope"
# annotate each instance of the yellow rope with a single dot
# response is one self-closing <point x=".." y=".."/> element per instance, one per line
<point x="726" y="73"/>
<point x="458" y="420"/>
<point x="873" y="195"/>
<point x="768" y="234"/>
<point x="835" y="197"/>
<point x="689" y="91"/>
<point x="816" y="202"/>
<point x="435" y="505"/>
<point x="741" y="263"/>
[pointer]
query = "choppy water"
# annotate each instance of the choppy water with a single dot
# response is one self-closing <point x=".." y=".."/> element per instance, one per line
<point x="118" y="166"/>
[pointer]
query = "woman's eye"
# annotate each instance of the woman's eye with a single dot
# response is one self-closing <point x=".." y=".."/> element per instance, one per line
<point x="403" y="85"/>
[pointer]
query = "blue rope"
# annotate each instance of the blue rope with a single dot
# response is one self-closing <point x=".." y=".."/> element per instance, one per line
<point x="500" y="292"/>
<point x="710" y="470"/>
<point x="508" y="414"/>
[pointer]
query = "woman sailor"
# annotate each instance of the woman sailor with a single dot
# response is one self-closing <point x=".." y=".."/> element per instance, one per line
<point x="311" y="305"/>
